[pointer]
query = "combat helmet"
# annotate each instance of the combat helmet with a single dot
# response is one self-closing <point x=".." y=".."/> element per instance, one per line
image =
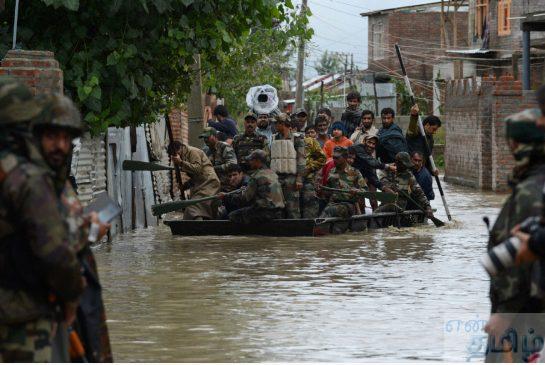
<point x="405" y="159"/>
<point x="17" y="104"/>
<point x="59" y="112"/>
<point x="522" y="127"/>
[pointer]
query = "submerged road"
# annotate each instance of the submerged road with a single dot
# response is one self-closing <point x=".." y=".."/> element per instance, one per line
<point x="380" y="296"/>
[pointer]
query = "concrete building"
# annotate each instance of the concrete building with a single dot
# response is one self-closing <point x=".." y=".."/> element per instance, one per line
<point x="496" y="39"/>
<point x="423" y="32"/>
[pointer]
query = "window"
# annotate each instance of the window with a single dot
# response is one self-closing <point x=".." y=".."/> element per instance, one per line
<point x="504" y="13"/>
<point x="377" y="39"/>
<point x="481" y="17"/>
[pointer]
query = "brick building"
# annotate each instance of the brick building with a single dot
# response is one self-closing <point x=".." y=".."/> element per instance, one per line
<point x="496" y="39"/>
<point x="418" y="30"/>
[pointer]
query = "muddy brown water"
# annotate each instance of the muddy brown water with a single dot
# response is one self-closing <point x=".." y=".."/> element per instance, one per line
<point x="381" y="295"/>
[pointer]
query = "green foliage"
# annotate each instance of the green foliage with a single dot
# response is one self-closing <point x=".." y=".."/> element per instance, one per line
<point x="260" y="57"/>
<point x="124" y="61"/>
<point x="329" y="63"/>
<point x="404" y="99"/>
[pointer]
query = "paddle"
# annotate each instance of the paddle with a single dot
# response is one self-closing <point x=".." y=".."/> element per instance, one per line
<point x="131" y="165"/>
<point x="436" y="221"/>
<point x="159" y="209"/>
<point x="380" y="196"/>
<point x="422" y="131"/>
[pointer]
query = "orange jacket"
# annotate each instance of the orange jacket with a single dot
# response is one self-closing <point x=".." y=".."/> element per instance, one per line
<point x="332" y="143"/>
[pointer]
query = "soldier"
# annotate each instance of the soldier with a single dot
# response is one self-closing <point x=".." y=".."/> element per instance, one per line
<point x="263" y="195"/>
<point x="514" y="290"/>
<point x="246" y="143"/>
<point x="54" y="129"/>
<point x="221" y="154"/>
<point x="265" y="127"/>
<point x="36" y="257"/>
<point x="204" y="180"/>
<point x="345" y="177"/>
<point x="315" y="160"/>
<point x="402" y="180"/>
<point x="288" y="161"/>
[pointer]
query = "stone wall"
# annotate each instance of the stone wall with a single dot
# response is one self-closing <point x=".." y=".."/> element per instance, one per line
<point x="476" y="151"/>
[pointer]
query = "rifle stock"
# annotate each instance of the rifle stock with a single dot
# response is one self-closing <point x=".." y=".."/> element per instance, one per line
<point x="164" y="208"/>
<point x="132" y="165"/>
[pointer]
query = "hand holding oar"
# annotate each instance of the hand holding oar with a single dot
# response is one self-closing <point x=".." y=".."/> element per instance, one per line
<point x="380" y="196"/>
<point x="422" y="131"/>
<point x="164" y="208"/>
<point x="436" y="221"/>
<point x="131" y="165"/>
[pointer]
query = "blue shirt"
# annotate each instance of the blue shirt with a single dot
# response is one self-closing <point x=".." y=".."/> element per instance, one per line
<point x="227" y="126"/>
<point x="424" y="179"/>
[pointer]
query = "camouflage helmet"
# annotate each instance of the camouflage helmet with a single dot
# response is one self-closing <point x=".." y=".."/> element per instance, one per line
<point x="522" y="127"/>
<point x="17" y="104"/>
<point x="283" y="118"/>
<point x="59" y="112"/>
<point x="405" y="159"/>
<point x="257" y="155"/>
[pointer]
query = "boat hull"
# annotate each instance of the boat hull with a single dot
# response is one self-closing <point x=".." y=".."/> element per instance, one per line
<point x="296" y="227"/>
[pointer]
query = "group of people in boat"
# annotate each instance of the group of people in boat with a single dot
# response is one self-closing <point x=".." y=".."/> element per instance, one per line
<point x="284" y="166"/>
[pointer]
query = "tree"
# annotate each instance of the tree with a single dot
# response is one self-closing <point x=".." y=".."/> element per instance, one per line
<point x="126" y="60"/>
<point x="261" y="57"/>
<point x="329" y="63"/>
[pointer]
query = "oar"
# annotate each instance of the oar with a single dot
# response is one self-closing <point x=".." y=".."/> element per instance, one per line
<point x="164" y="208"/>
<point x="380" y="196"/>
<point x="436" y="221"/>
<point x="131" y="165"/>
<point x="422" y="132"/>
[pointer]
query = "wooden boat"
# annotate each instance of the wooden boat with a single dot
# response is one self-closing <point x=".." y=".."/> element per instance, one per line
<point x="296" y="227"/>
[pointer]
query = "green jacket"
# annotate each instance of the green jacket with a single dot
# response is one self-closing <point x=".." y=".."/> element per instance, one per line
<point x="35" y="250"/>
<point x="263" y="191"/>
<point x="406" y="182"/>
<point x="346" y="179"/>
<point x="511" y="291"/>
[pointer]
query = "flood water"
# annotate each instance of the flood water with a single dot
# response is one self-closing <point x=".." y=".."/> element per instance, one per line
<point x="381" y="295"/>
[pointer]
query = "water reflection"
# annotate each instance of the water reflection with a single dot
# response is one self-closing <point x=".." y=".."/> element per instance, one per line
<point x="380" y="295"/>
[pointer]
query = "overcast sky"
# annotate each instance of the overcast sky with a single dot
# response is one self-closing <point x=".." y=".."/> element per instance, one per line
<point x="338" y="27"/>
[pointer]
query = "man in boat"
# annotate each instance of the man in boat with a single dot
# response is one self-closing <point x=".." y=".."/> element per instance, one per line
<point x="519" y="289"/>
<point x="351" y="118"/>
<point x="315" y="160"/>
<point x="366" y="127"/>
<point x="204" y="180"/>
<point x="237" y="180"/>
<point x="416" y="142"/>
<point x="249" y="141"/>
<point x="422" y="175"/>
<point x="403" y="182"/>
<point x="264" y="127"/>
<point x="367" y="164"/>
<point x="322" y="125"/>
<point x="288" y="161"/>
<point x="263" y="195"/>
<point x="221" y="155"/>
<point x="390" y="137"/>
<point x="343" y="177"/>
<point x="299" y="120"/>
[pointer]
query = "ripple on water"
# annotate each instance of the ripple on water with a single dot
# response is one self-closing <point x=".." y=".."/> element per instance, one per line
<point x="380" y="295"/>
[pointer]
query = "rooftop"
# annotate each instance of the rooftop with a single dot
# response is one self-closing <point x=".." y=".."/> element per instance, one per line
<point x="429" y="7"/>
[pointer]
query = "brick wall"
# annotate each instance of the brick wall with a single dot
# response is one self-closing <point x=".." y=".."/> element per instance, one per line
<point x="179" y="125"/>
<point x="416" y="33"/>
<point x="37" y="69"/>
<point x="476" y="151"/>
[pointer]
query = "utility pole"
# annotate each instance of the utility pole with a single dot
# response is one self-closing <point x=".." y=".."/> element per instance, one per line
<point x="300" y="64"/>
<point x="344" y="78"/>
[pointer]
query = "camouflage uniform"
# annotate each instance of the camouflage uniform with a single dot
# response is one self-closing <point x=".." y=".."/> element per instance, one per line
<point x="315" y="160"/>
<point x="222" y="157"/>
<point x="35" y="257"/>
<point x="244" y="144"/>
<point x="403" y="181"/>
<point x="343" y="204"/>
<point x="516" y="290"/>
<point x="264" y="197"/>
<point x="288" y="181"/>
